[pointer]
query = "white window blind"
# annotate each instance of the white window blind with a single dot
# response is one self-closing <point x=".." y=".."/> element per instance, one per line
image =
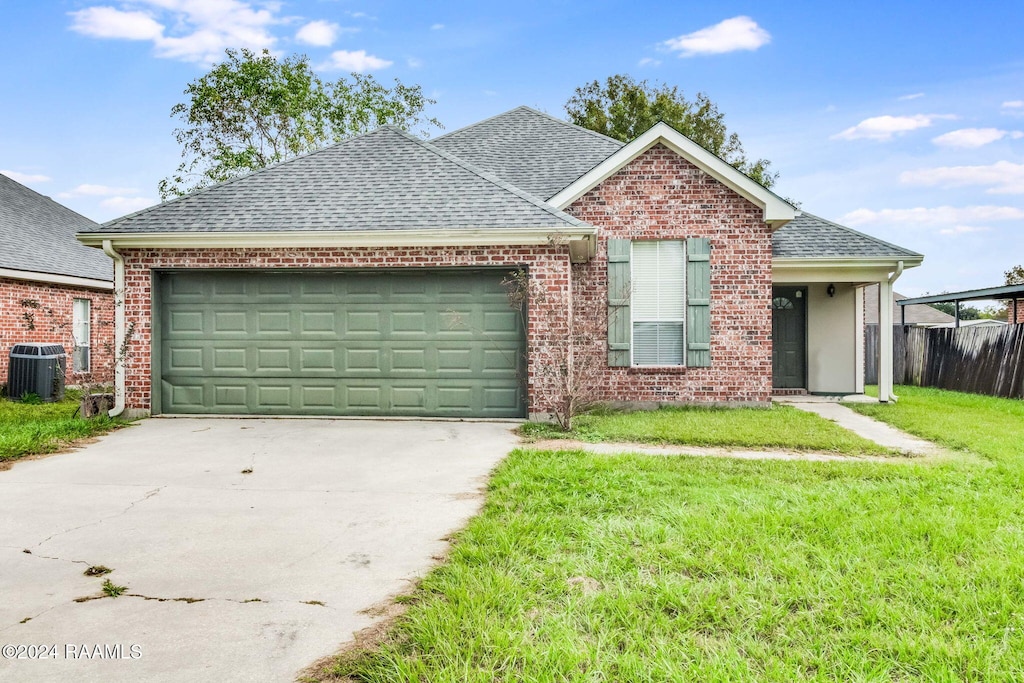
<point x="658" y="302"/>
<point x="81" y="329"/>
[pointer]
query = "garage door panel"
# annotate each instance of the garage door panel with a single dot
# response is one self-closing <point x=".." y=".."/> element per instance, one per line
<point x="383" y="343"/>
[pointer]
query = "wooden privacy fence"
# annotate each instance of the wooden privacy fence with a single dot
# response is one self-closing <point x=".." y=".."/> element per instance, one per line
<point x="980" y="360"/>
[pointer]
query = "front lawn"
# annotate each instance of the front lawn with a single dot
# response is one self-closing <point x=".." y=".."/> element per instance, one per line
<point x="27" y="429"/>
<point x="780" y="426"/>
<point x="586" y="567"/>
<point x="989" y="426"/>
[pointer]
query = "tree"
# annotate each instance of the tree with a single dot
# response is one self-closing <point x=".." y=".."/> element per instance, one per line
<point x="253" y="110"/>
<point x="949" y="308"/>
<point x="1014" y="276"/>
<point x="623" y="108"/>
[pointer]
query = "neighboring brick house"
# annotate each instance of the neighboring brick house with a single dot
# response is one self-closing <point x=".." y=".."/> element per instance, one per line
<point x="52" y="287"/>
<point x="370" y="277"/>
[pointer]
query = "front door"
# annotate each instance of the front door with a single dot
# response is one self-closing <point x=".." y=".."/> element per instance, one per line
<point x="789" y="337"/>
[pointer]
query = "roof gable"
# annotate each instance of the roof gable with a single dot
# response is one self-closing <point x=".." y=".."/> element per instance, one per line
<point x="384" y="180"/>
<point x="530" y="149"/>
<point x="776" y="210"/>
<point x="38" y="236"/>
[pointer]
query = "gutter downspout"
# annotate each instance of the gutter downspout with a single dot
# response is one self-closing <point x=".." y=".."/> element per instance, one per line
<point x="119" y="397"/>
<point x="892" y="278"/>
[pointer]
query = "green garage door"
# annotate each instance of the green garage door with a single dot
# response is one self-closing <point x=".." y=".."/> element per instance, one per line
<point x="438" y="342"/>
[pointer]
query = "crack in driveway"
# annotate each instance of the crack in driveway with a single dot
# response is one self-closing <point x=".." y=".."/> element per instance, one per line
<point x="149" y="494"/>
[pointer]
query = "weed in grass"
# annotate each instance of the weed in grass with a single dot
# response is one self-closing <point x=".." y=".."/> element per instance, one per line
<point x="111" y="590"/>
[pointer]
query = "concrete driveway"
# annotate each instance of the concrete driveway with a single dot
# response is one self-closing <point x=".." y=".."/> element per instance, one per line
<point x="230" y="576"/>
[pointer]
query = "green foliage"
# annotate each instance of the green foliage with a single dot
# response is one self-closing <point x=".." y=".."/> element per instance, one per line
<point x="966" y="312"/>
<point x="27" y="429"/>
<point x="1014" y="276"/>
<point x="253" y="110"/>
<point x="112" y="590"/>
<point x="623" y="108"/>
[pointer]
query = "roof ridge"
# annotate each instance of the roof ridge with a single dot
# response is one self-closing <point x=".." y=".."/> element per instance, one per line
<point x="862" y="234"/>
<point x="536" y="112"/>
<point x="229" y="181"/>
<point x="493" y="179"/>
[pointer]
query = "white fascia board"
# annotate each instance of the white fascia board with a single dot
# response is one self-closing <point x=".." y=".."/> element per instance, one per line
<point x="801" y="270"/>
<point x="362" y="238"/>
<point x="52" y="279"/>
<point x="777" y="211"/>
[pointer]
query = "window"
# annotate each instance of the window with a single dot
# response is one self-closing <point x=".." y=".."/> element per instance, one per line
<point x="658" y="299"/>
<point x="80" y="329"/>
<point x="659" y="303"/>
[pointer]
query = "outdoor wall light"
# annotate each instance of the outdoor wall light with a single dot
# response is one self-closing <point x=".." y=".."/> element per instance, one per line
<point x="831" y="291"/>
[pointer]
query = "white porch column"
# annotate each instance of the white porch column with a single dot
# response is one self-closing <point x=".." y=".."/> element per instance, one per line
<point x="885" y="340"/>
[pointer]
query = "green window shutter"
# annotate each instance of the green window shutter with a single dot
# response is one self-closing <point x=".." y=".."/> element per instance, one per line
<point x="698" y="302"/>
<point x="619" y="320"/>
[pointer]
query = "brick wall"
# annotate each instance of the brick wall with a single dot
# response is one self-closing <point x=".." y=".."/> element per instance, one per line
<point x="548" y="266"/>
<point x="662" y="196"/>
<point x="1020" y="312"/>
<point x="40" y="312"/>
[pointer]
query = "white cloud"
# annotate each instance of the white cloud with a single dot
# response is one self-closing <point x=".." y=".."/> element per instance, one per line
<point x="127" y="204"/>
<point x="885" y="127"/>
<point x="414" y="62"/>
<point x="188" y="30"/>
<point x="489" y="93"/>
<point x="320" y="33"/>
<point x="963" y="230"/>
<point x="357" y="61"/>
<point x="934" y="216"/>
<point x="971" y="138"/>
<point x="911" y="96"/>
<point x="89" y="190"/>
<point x="25" y="178"/>
<point x="1002" y="177"/>
<point x="436" y="27"/>
<point x="649" y="61"/>
<point x="108" y="22"/>
<point x="1013" y="104"/>
<point x="738" y="33"/>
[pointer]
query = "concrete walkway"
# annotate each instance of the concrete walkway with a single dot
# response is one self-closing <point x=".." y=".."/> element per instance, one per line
<point x="873" y="430"/>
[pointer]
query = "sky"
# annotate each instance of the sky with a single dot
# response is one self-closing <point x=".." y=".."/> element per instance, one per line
<point x="904" y="120"/>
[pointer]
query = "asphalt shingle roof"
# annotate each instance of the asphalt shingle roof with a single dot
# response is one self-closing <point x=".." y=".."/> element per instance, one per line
<point x="38" y="235"/>
<point x="383" y="180"/>
<point x="809" y="236"/>
<point x="916" y="313"/>
<point x="530" y="149"/>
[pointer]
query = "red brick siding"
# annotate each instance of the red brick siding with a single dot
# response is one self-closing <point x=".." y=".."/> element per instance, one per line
<point x="660" y="195"/>
<point x="1020" y="312"/>
<point x="52" y="322"/>
<point x="547" y="265"/>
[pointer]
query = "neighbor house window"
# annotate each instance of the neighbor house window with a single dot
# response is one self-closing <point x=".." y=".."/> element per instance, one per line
<point x="81" y="329"/>
<point x="658" y="298"/>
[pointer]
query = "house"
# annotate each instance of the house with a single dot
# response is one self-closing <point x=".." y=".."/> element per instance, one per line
<point x="52" y="288"/>
<point x="916" y="315"/>
<point x="366" y="278"/>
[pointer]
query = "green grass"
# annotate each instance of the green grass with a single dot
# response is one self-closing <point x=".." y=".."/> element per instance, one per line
<point x="28" y="429"/>
<point x="989" y="426"/>
<point x="780" y="426"/>
<point x="639" y="568"/>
